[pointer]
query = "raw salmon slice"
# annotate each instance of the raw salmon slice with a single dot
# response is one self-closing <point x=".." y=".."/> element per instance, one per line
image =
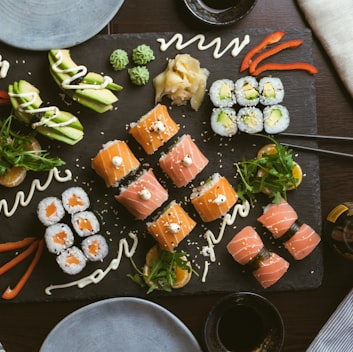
<point x="183" y="162"/>
<point x="303" y="242"/>
<point x="278" y="218"/>
<point x="171" y="227"/>
<point x="143" y="196"/>
<point x="213" y="198"/>
<point x="114" y="162"/>
<point x="154" y="129"/>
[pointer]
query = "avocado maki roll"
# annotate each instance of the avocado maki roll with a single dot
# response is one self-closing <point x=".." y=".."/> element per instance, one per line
<point x="276" y="119"/>
<point x="222" y="93"/>
<point x="247" y="91"/>
<point x="223" y="122"/>
<point x="250" y="120"/>
<point x="271" y="91"/>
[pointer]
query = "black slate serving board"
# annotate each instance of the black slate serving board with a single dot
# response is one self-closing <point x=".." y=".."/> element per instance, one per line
<point x="224" y="275"/>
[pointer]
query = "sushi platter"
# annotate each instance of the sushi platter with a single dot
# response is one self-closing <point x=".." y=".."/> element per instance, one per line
<point x="116" y="222"/>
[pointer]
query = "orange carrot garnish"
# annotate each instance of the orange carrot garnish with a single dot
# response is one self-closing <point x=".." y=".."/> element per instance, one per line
<point x="4" y="97"/>
<point x="304" y="66"/>
<point x="268" y="40"/>
<point x="19" y="258"/>
<point x="290" y="44"/>
<point x="12" y="293"/>
<point x="10" y="246"/>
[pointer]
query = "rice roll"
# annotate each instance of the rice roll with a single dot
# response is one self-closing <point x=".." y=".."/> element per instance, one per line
<point x="95" y="247"/>
<point x="224" y="121"/>
<point x="154" y="129"/>
<point x="50" y="211"/>
<point x="276" y="119"/>
<point x="271" y="91"/>
<point x="58" y="237"/>
<point x="222" y="93"/>
<point x="75" y="199"/>
<point x="213" y="198"/>
<point x="85" y="223"/>
<point x="171" y="226"/>
<point x="183" y="162"/>
<point x="250" y="120"/>
<point x="143" y="196"/>
<point x="72" y="261"/>
<point x="247" y="91"/>
<point x="114" y="162"/>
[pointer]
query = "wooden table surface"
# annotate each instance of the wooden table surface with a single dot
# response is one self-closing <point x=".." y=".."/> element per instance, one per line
<point x="23" y="327"/>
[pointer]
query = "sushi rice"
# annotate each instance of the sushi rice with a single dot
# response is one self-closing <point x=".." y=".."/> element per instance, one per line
<point x="276" y="119"/>
<point x="50" y="211"/>
<point x="72" y="261"/>
<point x="250" y="120"/>
<point x="246" y="91"/>
<point x="222" y="93"/>
<point x="271" y="91"/>
<point x="85" y="223"/>
<point x="75" y="199"/>
<point x="223" y="121"/>
<point x="58" y="237"/>
<point x="95" y="247"/>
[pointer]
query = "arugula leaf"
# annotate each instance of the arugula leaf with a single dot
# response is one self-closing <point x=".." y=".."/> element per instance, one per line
<point x="272" y="172"/>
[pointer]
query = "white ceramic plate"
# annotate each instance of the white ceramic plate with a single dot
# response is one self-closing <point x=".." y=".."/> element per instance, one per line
<point x="121" y="324"/>
<point x="43" y="25"/>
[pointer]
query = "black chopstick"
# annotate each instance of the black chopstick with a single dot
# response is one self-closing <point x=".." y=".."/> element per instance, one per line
<point x="318" y="150"/>
<point x="316" y="136"/>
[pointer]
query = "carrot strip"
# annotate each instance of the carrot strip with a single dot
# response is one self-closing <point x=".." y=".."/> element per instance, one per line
<point x="9" y="246"/>
<point x="283" y="67"/>
<point x="290" y="44"/>
<point x="19" y="258"/>
<point x="12" y="293"/>
<point x="268" y="40"/>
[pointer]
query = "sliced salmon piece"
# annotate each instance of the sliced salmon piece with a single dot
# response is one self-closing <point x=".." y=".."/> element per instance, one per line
<point x="303" y="242"/>
<point x="114" y="162"/>
<point x="183" y="162"/>
<point x="143" y="196"/>
<point x="154" y="129"/>
<point x="278" y="218"/>
<point x="271" y="270"/>
<point x="214" y="198"/>
<point x="171" y="227"/>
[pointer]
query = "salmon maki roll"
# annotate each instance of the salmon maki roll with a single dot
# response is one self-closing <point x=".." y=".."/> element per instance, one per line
<point x="114" y="162"/>
<point x="154" y="129"/>
<point x="171" y="227"/>
<point x="213" y="198"/>
<point x="278" y="218"/>
<point x="183" y="162"/>
<point x="302" y="242"/>
<point x="143" y="196"/>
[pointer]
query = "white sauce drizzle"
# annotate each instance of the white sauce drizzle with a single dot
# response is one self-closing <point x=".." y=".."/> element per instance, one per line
<point x="187" y="161"/>
<point x="217" y="42"/>
<point x="21" y="199"/>
<point x="158" y="126"/>
<point x="220" y="199"/>
<point x="100" y="274"/>
<point x="117" y="161"/>
<point x="4" y="67"/>
<point x="174" y="228"/>
<point x="80" y="71"/>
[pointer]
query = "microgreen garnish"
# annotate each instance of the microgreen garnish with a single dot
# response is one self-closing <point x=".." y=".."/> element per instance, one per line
<point x="273" y="172"/>
<point x="14" y="151"/>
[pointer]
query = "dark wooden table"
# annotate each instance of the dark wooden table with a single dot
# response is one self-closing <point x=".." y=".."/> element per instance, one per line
<point x="23" y="327"/>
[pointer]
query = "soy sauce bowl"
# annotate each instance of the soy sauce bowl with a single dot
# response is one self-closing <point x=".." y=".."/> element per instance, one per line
<point x="219" y="12"/>
<point x="243" y="321"/>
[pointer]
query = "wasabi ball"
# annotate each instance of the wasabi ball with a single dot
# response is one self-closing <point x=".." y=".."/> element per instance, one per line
<point x="139" y="75"/>
<point x="119" y="59"/>
<point x="142" y="54"/>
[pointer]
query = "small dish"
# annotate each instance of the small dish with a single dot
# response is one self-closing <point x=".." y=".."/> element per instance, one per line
<point x="243" y="321"/>
<point x="210" y="11"/>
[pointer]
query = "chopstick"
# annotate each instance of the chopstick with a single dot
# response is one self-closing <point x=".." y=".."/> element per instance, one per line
<point x="316" y="136"/>
<point x="319" y="150"/>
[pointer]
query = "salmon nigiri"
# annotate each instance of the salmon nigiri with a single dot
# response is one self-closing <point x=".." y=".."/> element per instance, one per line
<point x="154" y="129"/>
<point x="114" y="161"/>
<point x="213" y="198"/>
<point x="247" y="248"/>
<point x="183" y="161"/>
<point x="171" y="227"/>
<point x="278" y="218"/>
<point x="143" y="196"/>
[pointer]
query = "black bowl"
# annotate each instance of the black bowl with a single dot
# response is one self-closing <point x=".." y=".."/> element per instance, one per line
<point x="243" y="321"/>
<point x="233" y="11"/>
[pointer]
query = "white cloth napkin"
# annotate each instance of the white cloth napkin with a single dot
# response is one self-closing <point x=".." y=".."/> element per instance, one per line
<point x="332" y="23"/>
<point x="337" y="334"/>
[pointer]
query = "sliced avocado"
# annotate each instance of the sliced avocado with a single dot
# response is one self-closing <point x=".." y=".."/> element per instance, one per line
<point x="20" y="115"/>
<point x="89" y="103"/>
<point x="103" y="96"/>
<point x="22" y="87"/>
<point x="64" y="117"/>
<point x="268" y="90"/>
<point x="225" y="120"/>
<point x="96" y="78"/>
<point x="67" y="62"/>
<point x="59" y="135"/>
<point x="250" y="92"/>
<point x="250" y="119"/>
<point x="225" y="92"/>
<point x="59" y="77"/>
<point x="275" y="116"/>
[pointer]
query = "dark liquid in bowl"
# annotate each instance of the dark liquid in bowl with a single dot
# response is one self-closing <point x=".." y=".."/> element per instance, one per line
<point x="241" y="329"/>
<point x="219" y="4"/>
